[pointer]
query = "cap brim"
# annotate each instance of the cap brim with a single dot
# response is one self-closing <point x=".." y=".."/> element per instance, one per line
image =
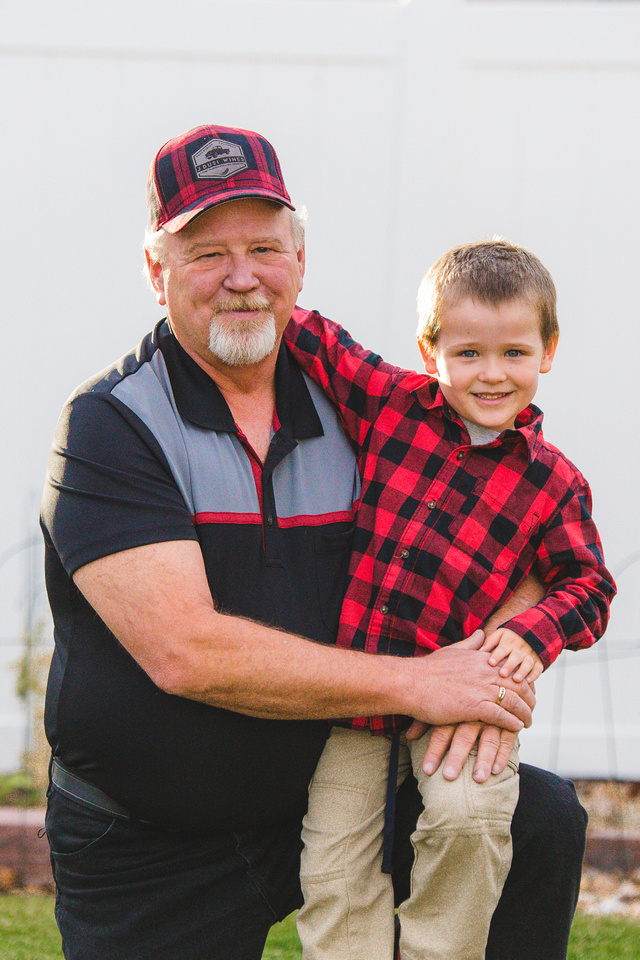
<point x="176" y="224"/>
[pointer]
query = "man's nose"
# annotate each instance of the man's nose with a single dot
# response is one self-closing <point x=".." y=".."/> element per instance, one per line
<point x="240" y="275"/>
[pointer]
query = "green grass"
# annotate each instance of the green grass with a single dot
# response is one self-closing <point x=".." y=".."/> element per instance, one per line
<point x="28" y="932"/>
<point x="604" y="938"/>
<point x="27" y="928"/>
<point x="592" y="938"/>
<point x="282" y="942"/>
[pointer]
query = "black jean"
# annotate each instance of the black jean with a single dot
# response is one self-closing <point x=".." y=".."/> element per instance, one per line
<point x="129" y="891"/>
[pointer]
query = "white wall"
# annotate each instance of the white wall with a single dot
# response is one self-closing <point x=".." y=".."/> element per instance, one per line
<point x="405" y="128"/>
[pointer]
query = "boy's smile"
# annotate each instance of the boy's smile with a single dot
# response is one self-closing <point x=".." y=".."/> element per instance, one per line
<point x="487" y="359"/>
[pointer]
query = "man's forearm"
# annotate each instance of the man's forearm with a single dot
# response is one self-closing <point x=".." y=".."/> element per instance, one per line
<point x="525" y="596"/>
<point x="253" y="669"/>
<point x="156" y="600"/>
<point x="261" y="671"/>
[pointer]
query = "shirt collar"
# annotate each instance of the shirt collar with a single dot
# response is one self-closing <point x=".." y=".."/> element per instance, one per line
<point x="528" y="425"/>
<point x="200" y="401"/>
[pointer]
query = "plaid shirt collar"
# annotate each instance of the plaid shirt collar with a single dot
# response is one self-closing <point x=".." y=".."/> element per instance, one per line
<point x="528" y="426"/>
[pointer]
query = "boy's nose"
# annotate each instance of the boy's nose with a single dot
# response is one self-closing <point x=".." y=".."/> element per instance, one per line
<point x="492" y="372"/>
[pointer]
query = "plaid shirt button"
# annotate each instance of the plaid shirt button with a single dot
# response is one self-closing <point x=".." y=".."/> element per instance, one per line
<point x="460" y="455"/>
<point x="404" y="554"/>
<point x="384" y="608"/>
<point x="431" y="504"/>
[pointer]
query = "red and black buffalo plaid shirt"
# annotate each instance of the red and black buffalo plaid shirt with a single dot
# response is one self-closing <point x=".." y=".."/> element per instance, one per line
<point x="445" y="530"/>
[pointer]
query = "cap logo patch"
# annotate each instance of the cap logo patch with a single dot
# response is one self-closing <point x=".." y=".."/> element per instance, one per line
<point x="218" y="159"/>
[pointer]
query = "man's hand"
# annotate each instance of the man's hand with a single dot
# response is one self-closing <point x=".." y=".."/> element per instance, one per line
<point x="457" y="684"/>
<point x="456" y="741"/>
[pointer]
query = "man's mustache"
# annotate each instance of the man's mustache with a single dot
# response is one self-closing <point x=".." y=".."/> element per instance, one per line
<point x="242" y="302"/>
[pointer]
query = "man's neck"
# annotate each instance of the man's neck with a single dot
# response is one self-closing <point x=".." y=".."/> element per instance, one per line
<point x="250" y="392"/>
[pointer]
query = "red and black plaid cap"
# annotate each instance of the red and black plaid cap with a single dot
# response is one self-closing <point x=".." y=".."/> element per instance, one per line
<point x="211" y="165"/>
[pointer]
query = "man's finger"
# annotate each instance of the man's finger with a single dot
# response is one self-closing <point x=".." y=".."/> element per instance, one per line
<point x="520" y="697"/>
<point x="514" y="711"/>
<point x="488" y="750"/>
<point x="438" y="745"/>
<point x="416" y="730"/>
<point x="474" y="642"/>
<point x="507" y="743"/>
<point x="463" y="740"/>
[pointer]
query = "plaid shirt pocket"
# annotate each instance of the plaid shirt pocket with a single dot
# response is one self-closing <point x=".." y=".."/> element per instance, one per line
<point x="492" y="533"/>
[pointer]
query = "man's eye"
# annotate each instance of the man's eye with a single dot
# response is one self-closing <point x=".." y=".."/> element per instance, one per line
<point x="262" y="249"/>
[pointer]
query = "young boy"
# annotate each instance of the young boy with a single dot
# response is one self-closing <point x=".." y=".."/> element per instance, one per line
<point x="461" y="498"/>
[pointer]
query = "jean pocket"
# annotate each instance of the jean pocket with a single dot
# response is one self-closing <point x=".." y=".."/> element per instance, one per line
<point x="72" y="829"/>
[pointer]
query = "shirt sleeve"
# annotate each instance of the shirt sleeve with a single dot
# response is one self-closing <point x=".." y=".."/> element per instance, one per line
<point x="355" y="379"/>
<point x="108" y="486"/>
<point x="570" y="561"/>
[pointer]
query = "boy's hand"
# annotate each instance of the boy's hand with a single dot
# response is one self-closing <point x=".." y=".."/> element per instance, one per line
<point x="519" y="658"/>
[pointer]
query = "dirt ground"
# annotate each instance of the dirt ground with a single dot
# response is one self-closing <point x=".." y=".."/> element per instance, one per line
<point x="612" y="807"/>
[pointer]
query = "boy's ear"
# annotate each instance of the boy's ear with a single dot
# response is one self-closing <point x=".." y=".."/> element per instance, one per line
<point x="428" y="359"/>
<point x="548" y="354"/>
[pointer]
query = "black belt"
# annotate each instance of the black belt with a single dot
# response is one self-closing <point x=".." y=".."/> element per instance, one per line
<point x="86" y="793"/>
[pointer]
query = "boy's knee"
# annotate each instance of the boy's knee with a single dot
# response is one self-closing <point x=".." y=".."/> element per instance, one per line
<point x="464" y="805"/>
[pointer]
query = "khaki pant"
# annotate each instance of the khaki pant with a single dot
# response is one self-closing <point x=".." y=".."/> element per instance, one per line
<point x="462" y="845"/>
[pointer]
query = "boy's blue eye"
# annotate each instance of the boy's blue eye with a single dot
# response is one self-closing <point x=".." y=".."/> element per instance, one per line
<point x="514" y="353"/>
<point x="469" y="353"/>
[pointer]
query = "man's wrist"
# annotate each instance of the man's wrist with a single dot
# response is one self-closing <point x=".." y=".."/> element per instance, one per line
<point x="400" y="686"/>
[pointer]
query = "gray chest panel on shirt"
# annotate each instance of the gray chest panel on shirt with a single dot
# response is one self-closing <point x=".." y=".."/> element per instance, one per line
<point x="212" y="470"/>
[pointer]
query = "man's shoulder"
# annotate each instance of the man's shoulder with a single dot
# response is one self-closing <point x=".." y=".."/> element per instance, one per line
<point x="104" y="382"/>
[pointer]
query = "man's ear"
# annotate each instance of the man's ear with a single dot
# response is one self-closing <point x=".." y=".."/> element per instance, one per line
<point x="302" y="262"/>
<point x="548" y="355"/>
<point x="428" y="359"/>
<point x="156" y="277"/>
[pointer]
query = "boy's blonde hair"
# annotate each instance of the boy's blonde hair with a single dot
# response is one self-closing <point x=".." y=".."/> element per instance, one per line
<point x="492" y="271"/>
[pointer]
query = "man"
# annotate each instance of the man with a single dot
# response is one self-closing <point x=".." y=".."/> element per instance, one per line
<point x="198" y="519"/>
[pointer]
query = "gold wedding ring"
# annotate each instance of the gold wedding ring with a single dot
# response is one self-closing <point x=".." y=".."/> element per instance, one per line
<point x="501" y="695"/>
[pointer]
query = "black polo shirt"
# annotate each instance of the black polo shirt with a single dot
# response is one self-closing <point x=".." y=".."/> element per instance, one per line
<point x="146" y="452"/>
